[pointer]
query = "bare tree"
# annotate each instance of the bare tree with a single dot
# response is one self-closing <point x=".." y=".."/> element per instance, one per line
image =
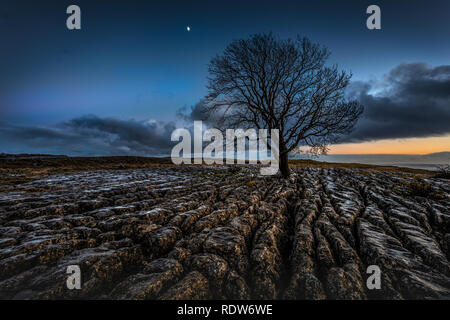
<point x="265" y="82"/>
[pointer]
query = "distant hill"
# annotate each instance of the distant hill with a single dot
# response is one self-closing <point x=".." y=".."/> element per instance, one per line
<point x="437" y="155"/>
<point x="29" y="156"/>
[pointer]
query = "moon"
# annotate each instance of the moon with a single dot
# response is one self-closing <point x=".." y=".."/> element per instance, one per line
<point x="188" y="28"/>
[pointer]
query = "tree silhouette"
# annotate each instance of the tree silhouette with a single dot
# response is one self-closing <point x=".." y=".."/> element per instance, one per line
<point x="264" y="82"/>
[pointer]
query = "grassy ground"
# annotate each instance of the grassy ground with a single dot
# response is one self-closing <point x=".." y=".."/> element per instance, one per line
<point x="16" y="171"/>
<point x="21" y="170"/>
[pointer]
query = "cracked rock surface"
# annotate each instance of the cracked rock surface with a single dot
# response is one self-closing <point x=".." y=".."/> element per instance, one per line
<point x="212" y="233"/>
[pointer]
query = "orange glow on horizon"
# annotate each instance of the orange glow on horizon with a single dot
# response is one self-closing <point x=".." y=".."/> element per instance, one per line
<point x="417" y="146"/>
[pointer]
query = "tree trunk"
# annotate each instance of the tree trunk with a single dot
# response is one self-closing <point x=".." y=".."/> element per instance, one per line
<point x="284" y="165"/>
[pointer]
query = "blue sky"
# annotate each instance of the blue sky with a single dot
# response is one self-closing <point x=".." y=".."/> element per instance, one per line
<point x="136" y="60"/>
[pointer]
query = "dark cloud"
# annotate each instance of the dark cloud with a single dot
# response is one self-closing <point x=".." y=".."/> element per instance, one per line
<point x="90" y="135"/>
<point x="412" y="100"/>
<point x="196" y="112"/>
